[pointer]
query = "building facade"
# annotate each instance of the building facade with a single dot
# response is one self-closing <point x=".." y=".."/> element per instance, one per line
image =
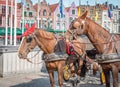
<point x="116" y="21"/>
<point x="11" y="11"/>
<point x="45" y="20"/>
<point x="58" y="22"/>
<point x="72" y="13"/>
<point x="48" y="16"/>
<point x="28" y="14"/>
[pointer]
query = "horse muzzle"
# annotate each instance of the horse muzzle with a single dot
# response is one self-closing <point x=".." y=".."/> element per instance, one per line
<point x="21" y="56"/>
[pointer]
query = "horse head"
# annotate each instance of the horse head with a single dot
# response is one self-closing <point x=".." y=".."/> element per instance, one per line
<point x="79" y="24"/>
<point x="46" y="41"/>
<point x="27" y="42"/>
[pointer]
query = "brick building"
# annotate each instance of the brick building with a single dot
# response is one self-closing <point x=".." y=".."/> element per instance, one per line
<point x="45" y="15"/>
<point x="3" y="14"/>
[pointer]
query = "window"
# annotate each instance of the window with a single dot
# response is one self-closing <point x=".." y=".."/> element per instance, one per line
<point x="115" y="17"/>
<point x="0" y="19"/>
<point x="30" y="14"/>
<point x="21" y="24"/>
<point x="73" y="11"/>
<point x="64" y="16"/>
<point x="58" y="26"/>
<point x="3" y="9"/>
<point x="9" y="10"/>
<point x="8" y="20"/>
<point x="58" y="16"/>
<point x="44" y="13"/>
<point x="70" y="19"/>
<point x="28" y="6"/>
<point x="25" y="13"/>
<point x="44" y="24"/>
<point x="105" y="16"/>
<point x="119" y="20"/>
<point x="63" y="26"/>
<point x="119" y="29"/>
<point x="49" y="14"/>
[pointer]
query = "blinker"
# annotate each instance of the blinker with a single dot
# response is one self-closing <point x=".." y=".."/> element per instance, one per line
<point x="21" y="38"/>
<point x="29" y="38"/>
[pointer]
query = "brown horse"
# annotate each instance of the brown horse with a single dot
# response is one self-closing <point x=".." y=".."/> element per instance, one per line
<point x="105" y="43"/>
<point x="47" y="42"/>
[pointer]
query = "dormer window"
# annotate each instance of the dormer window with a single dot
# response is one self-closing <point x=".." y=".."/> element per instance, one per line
<point x="73" y="11"/>
<point x="28" y="6"/>
<point x="44" y="13"/>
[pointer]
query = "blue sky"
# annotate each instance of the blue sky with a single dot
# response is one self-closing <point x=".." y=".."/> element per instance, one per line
<point x="83" y="2"/>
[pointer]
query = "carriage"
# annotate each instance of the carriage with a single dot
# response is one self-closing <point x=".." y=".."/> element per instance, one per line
<point x="73" y="48"/>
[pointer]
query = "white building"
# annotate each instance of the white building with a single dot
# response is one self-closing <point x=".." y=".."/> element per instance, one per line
<point x="116" y="21"/>
<point x="112" y="25"/>
<point x="106" y="21"/>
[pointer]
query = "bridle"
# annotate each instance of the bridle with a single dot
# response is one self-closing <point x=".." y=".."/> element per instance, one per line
<point x="110" y="40"/>
<point x="29" y="50"/>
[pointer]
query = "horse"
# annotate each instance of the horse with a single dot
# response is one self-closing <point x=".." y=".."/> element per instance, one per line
<point x="105" y="43"/>
<point x="47" y="42"/>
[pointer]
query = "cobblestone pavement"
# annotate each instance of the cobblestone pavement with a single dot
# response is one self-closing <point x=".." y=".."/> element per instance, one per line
<point x="42" y="80"/>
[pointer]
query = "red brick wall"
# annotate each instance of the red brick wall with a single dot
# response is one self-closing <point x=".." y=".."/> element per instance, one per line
<point x="3" y="3"/>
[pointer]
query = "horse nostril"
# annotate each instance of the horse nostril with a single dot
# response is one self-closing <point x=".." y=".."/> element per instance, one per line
<point x="20" y="55"/>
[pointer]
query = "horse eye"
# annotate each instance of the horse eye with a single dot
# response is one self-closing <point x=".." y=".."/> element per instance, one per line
<point x="29" y="39"/>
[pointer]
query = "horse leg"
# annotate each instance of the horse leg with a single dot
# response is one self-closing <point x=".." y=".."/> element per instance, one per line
<point x="51" y="75"/>
<point x="60" y="75"/>
<point x="115" y="76"/>
<point x="107" y="77"/>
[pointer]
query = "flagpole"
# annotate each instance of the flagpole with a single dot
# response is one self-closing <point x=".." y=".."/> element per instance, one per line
<point x="38" y="13"/>
<point x="6" y="30"/>
<point x="23" y="5"/>
<point x="79" y="3"/>
<point x="11" y="22"/>
<point x="61" y="15"/>
<point x="79" y="8"/>
<point x="15" y="22"/>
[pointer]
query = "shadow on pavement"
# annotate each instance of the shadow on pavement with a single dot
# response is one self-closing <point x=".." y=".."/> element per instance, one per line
<point x="42" y="82"/>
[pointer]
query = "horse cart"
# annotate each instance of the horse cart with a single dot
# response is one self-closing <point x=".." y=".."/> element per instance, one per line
<point x="56" y="57"/>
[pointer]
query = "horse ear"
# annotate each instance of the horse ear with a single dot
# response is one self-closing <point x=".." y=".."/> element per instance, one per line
<point x="84" y="15"/>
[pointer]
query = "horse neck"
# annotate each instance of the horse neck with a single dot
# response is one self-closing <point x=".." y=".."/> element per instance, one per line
<point x="97" y="35"/>
<point x="47" y="45"/>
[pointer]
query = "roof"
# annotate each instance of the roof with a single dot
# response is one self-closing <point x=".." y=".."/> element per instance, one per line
<point x="35" y="6"/>
<point x="53" y="7"/>
<point x="67" y="9"/>
<point x="102" y="7"/>
<point x="19" y="5"/>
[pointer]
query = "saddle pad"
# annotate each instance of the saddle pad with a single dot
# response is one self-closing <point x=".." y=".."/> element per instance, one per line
<point x="54" y="56"/>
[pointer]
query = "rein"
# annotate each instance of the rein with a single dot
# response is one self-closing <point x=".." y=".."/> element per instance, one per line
<point x="29" y="59"/>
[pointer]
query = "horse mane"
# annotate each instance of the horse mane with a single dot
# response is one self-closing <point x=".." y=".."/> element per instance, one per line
<point x="45" y="34"/>
<point x="102" y="32"/>
<point x="98" y="24"/>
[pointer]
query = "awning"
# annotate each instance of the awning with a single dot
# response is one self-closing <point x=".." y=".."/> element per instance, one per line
<point x="3" y="30"/>
<point x="17" y="37"/>
<point x="56" y="31"/>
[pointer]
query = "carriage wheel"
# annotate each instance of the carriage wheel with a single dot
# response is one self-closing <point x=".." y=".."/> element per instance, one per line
<point x="66" y="73"/>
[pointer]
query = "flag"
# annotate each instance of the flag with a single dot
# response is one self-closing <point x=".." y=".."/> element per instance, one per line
<point x="61" y="8"/>
<point x="78" y="11"/>
<point x="109" y="12"/>
<point x="96" y="16"/>
<point x="22" y="2"/>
